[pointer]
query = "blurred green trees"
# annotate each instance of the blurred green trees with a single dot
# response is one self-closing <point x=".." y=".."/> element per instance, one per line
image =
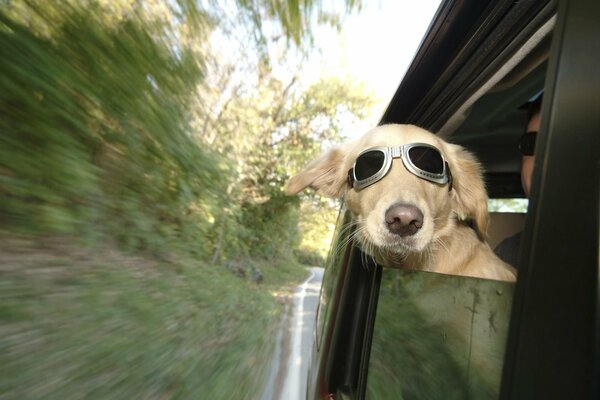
<point x="162" y="124"/>
<point x="95" y="139"/>
<point x="166" y="128"/>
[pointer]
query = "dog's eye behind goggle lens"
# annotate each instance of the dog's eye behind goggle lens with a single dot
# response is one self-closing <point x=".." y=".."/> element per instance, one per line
<point x="422" y="160"/>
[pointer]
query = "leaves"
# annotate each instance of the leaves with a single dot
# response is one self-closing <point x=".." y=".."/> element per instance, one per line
<point x="95" y="129"/>
<point x="123" y="120"/>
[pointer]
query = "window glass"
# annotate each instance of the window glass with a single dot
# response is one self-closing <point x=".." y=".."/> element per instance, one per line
<point x="516" y="205"/>
<point x="438" y="337"/>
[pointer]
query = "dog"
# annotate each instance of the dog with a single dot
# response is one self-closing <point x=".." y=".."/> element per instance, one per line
<point x="418" y="202"/>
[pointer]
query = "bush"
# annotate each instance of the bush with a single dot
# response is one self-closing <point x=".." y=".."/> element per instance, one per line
<point x="94" y="138"/>
<point x="274" y="223"/>
<point x="309" y="257"/>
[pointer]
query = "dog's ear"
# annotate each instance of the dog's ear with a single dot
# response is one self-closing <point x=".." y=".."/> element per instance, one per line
<point x="325" y="174"/>
<point x="469" y="193"/>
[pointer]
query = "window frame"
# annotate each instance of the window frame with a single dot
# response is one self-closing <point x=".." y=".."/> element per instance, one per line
<point x="553" y="347"/>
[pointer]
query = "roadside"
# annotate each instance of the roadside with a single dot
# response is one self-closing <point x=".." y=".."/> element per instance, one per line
<point x="289" y="368"/>
<point x="98" y="323"/>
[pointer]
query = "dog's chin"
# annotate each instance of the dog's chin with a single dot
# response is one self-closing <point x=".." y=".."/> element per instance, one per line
<point x="399" y="245"/>
<point x="393" y="249"/>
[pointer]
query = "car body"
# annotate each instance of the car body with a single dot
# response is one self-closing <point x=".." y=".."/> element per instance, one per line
<point x="479" y="62"/>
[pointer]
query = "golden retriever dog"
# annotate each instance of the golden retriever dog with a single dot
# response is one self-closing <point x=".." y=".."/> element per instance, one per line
<point x="418" y="202"/>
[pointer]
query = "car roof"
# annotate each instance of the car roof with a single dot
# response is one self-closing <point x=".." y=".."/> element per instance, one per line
<point x="478" y="64"/>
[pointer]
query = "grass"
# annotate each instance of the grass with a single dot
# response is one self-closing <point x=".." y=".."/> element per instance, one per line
<point x="99" y="324"/>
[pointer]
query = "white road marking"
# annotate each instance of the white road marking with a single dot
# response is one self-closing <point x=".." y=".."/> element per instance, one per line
<point x="291" y="387"/>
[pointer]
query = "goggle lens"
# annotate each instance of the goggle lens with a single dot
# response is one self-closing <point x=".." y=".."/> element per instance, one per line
<point x="426" y="159"/>
<point x="368" y="164"/>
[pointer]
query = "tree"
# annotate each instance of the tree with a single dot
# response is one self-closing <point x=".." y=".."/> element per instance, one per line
<point x="268" y="131"/>
<point x="95" y="99"/>
<point x="125" y="119"/>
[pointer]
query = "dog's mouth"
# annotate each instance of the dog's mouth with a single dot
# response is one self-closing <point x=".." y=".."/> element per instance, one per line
<point x="394" y="244"/>
<point x="393" y="253"/>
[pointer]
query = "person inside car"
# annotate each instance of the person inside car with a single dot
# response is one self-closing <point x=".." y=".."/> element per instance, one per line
<point x="508" y="249"/>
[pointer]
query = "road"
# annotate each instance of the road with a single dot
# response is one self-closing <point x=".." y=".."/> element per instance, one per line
<point x="288" y="372"/>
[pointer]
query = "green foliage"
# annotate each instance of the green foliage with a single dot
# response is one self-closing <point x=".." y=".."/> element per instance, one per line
<point x="113" y="131"/>
<point x="295" y="17"/>
<point x="317" y="225"/>
<point x="274" y="225"/>
<point x="110" y="128"/>
<point x="94" y="132"/>
<point x="309" y="257"/>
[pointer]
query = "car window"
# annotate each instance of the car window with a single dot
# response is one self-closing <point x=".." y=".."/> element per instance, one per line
<point x="438" y="337"/>
<point x="512" y="205"/>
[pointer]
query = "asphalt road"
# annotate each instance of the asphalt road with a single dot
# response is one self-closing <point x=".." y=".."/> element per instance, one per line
<point x="288" y="372"/>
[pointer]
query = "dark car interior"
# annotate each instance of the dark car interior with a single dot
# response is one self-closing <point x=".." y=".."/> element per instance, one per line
<point x="491" y="129"/>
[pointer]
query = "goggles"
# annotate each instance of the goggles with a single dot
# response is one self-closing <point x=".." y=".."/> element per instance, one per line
<point x="527" y="143"/>
<point x="420" y="159"/>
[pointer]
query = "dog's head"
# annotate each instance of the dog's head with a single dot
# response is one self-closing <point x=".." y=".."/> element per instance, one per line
<point x="401" y="213"/>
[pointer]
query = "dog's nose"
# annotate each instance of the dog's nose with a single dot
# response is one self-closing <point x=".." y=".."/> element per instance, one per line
<point x="403" y="219"/>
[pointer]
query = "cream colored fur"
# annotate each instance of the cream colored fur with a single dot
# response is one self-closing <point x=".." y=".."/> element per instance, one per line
<point x="445" y="243"/>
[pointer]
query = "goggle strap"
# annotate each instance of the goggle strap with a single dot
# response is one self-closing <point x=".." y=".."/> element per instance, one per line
<point x="449" y="173"/>
<point x="351" y="177"/>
